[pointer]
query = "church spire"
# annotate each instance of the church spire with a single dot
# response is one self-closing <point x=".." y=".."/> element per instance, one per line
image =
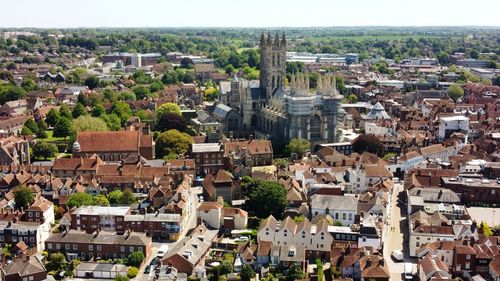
<point x="269" y="39"/>
<point x="262" y="39"/>
<point x="277" y="40"/>
<point x="283" y="40"/>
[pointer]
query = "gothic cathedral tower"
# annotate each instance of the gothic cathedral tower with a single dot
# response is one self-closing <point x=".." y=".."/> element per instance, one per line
<point x="272" y="64"/>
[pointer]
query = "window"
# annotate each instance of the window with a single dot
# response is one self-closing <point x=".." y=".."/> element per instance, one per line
<point x="30" y="214"/>
<point x="75" y="247"/>
<point x="49" y="246"/>
<point x="122" y="248"/>
<point x="343" y="216"/>
<point x="91" y="247"/>
<point x="37" y="214"/>
<point x="67" y="246"/>
<point x="131" y="249"/>
<point x="58" y="246"/>
<point x="467" y="257"/>
<point x="98" y="247"/>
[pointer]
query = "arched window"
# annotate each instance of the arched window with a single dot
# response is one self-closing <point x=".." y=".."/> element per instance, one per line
<point x="315" y="127"/>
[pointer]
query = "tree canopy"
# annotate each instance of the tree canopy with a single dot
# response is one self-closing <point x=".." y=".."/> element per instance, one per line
<point x="80" y="199"/>
<point x="91" y="124"/>
<point x="369" y="143"/>
<point x="299" y="146"/>
<point x="455" y="92"/>
<point x="23" y="197"/>
<point x="172" y="142"/>
<point x="264" y="198"/>
<point x="44" y="150"/>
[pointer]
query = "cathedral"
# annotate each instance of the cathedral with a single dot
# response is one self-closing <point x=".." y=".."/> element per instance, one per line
<point x="277" y="109"/>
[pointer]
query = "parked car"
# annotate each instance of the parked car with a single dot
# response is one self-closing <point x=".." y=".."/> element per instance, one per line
<point x="242" y="239"/>
<point x="147" y="269"/>
<point x="397" y="255"/>
<point x="162" y="251"/>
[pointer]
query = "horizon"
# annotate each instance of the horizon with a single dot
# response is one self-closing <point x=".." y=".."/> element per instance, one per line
<point x="59" y="14"/>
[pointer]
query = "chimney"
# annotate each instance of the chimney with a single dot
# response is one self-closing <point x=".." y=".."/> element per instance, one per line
<point x="368" y="262"/>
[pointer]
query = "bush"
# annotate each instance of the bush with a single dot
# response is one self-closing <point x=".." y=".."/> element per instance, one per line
<point x="132" y="272"/>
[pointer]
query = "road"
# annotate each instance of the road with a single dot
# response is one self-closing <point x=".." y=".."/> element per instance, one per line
<point x="395" y="234"/>
<point x="171" y="244"/>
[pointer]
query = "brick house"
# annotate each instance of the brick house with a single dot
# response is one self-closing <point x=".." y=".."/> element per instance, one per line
<point x="113" y="146"/>
<point x="23" y="269"/>
<point x="100" y="244"/>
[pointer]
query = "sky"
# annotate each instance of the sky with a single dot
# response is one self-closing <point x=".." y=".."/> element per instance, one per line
<point x="250" y="13"/>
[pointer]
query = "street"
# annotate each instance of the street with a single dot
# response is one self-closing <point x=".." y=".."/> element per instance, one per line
<point x="171" y="244"/>
<point x="394" y="235"/>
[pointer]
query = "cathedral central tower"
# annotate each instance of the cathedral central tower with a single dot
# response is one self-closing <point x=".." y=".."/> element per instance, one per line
<point x="272" y="64"/>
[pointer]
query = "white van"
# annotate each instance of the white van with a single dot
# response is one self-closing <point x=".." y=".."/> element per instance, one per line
<point x="408" y="271"/>
<point x="162" y="251"/>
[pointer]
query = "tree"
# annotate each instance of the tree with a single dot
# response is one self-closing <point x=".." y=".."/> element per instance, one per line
<point x="294" y="273"/>
<point x="25" y="131"/>
<point x="299" y="146"/>
<point x="52" y="117"/>
<point x="28" y="85"/>
<point x="11" y="93"/>
<point x="98" y="110"/>
<point x="455" y="92"/>
<point x="44" y="150"/>
<point x="135" y="259"/>
<point x="114" y="197"/>
<point x="101" y="200"/>
<point x="264" y="198"/>
<point x="281" y="163"/>
<point x="132" y="272"/>
<point x="172" y="141"/>
<point x="63" y="128"/>
<point x="79" y="110"/>
<point x="229" y="69"/>
<point x="486" y="229"/>
<point x="86" y="123"/>
<point x="23" y="197"/>
<point x="170" y="78"/>
<point x="92" y="82"/>
<point x="30" y="124"/>
<point x="41" y="134"/>
<point x="141" y="92"/>
<point x="64" y="111"/>
<point x="112" y="121"/>
<point x="170" y="121"/>
<point x="41" y="125"/>
<point x="80" y="199"/>
<point x="127" y="197"/>
<point x="247" y="273"/>
<point x="168" y="107"/>
<point x="187" y="62"/>
<point x="321" y="274"/>
<point x="57" y="261"/>
<point x="122" y="110"/>
<point x="156" y="86"/>
<point x="188" y="77"/>
<point x="369" y="143"/>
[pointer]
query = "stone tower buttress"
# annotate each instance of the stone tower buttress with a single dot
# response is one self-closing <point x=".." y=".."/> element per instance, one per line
<point x="272" y="64"/>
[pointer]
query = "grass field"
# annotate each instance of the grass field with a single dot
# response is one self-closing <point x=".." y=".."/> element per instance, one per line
<point x="51" y="138"/>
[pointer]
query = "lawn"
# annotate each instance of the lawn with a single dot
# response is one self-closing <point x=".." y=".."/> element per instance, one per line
<point x="51" y="138"/>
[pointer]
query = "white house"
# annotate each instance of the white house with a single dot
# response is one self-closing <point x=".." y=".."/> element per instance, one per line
<point x="361" y="177"/>
<point x="450" y="124"/>
<point x="340" y="208"/>
<point x="313" y="237"/>
<point x="216" y="216"/>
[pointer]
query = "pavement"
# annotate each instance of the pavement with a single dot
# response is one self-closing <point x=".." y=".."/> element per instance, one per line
<point x="395" y="234"/>
<point x="491" y="216"/>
